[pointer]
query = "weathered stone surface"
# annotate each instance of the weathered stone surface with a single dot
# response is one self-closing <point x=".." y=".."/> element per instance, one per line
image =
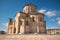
<point x="30" y="37"/>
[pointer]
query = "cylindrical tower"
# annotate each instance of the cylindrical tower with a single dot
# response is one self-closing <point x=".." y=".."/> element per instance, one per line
<point x="29" y="8"/>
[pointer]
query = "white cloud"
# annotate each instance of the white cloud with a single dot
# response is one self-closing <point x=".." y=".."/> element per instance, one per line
<point x="42" y="11"/>
<point x="5" y="24"/>
<point x="51" y="13"/>
<point x="57" y="18"/>
<point x="52" y="20"/>
<point x="52" y="27"/>
<point x="58" y="21"/>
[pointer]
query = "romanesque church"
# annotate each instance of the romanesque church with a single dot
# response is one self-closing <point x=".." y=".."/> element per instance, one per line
<point x="27" y="22"/>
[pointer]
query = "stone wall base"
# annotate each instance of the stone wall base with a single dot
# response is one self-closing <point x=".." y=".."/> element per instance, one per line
<point x="30" y="37"/>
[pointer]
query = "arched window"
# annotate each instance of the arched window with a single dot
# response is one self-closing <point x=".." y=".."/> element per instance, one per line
<point x="33" y="19"/>
<point x="57" y="32"/>
<point x="20" y="22"/>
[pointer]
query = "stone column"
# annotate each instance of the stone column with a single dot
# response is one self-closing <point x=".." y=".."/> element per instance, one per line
<point x="13" y="28"/>
<point x="10" y="30"/>
<point x="37" y="29"/>
<point x="45" y="26"/>
<point x="9" y="25"/>
<point x="16" y="30"/>
<point x="17" y="25"/>
<point x="22" y="27"/>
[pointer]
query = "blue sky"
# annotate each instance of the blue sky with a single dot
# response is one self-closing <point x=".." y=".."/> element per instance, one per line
<point x="51" y="9"/>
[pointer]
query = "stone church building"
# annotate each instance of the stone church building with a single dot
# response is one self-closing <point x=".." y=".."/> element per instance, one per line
<point x="27" y="22"/>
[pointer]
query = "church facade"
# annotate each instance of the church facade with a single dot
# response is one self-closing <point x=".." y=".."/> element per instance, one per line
<point x="28" y="21"/>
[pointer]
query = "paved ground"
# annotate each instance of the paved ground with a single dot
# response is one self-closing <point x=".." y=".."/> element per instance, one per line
<point x="30" y="37"/>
